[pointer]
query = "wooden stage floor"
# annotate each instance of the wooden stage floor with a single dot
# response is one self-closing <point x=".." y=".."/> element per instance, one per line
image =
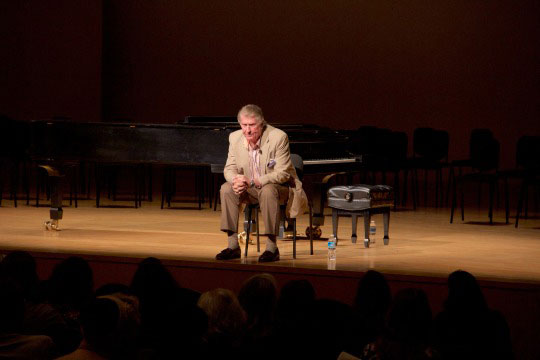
<point x="422" y="242"/>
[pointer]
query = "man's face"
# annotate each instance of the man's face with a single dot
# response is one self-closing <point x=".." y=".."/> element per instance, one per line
<point x="251" y="128"/>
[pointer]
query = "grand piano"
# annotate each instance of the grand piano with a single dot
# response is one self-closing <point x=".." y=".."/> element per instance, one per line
<point x="57" y="145"/>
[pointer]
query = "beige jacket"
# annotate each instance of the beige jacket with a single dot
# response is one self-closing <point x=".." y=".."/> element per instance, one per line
<point x="274" y="162"/>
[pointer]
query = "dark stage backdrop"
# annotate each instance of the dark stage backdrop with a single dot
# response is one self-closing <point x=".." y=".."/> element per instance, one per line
<point x="50" y="65"/>
<point x="454" y="65"/>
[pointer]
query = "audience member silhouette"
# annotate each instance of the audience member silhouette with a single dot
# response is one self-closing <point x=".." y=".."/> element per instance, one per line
<point x="40" y="317"/>
<point x="70" y="286"/>
<point x="21" y="267"/>
<point x="226" y="323"/>
<point x="294" y="305"/>
<point x="330" y="329"/>
<point x="408" y="328"/>
<point x="467" y="328"/>
<point x="258" y="297"/>
<point x="110" y="324"/>
<point x="293" y="316"/>
<point x="13" y="344"/>
<point x="373" y="298"/>
<point x="170" y="318"/>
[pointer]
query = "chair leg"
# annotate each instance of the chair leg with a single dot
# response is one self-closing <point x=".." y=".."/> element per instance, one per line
<point x="150" y="184"/>
<point x="216" y="198"/>
<point x="425" y="186"/>
<point x="506" y="201"/>
<point x="396" y="189"/>
<point x="248" y="229"/>
<point x="136" y="191"/>
<point x="437" y="188"/>
<point x="461" y="186"/>
<point x="386" y="222"/>
<point x="98" y="185"/>
<point x="449" y="184"/>
<point x="311" y="228"/>
<point x="526" y="202"/>
<point x="294" y="238"/>
<point x="414" y="187"/>
<point x="454" y="200"/>
<point x="491" y="192"/>
<point x="257" y="226"/>
<point x="26" y="183"/>
<point x="522" y="194"/>
<point x="15" y="183"/>
<point x="335" y="219"/>
<point x="163" y="187"/>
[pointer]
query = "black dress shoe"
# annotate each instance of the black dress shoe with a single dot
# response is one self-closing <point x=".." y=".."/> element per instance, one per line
<point x="228" y="254"/>
<point x="269" y="256"/>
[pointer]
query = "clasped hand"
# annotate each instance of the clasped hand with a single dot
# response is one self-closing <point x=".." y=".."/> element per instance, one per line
<point x="240" y="184"/>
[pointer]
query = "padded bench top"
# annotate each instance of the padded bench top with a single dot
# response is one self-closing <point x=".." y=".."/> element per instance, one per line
<point x="360" y="197"/>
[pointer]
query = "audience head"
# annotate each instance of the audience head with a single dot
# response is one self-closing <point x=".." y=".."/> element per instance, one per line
<point x="258" y="297"/>
<point x="331" y="328"/>
<point x="110" y="324"/>
<point x="464" y="293"/>
<point x="225" y="315"/>
<point x="295" y="298"/>
<point x="71" y="282"/>
<point x="152" y="279"/>
<point x="297" y="293"/>
<point x="409" y="318"/>
<point x="373" y="294"/>
<point x="21" y="267"/>
<point x="11" y="306"/>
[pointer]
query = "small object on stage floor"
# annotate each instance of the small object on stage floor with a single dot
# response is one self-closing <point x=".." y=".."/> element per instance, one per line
<point x="52" y="225"/>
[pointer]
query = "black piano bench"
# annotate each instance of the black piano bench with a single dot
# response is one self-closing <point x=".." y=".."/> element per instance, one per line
<point x="361" y="200"/>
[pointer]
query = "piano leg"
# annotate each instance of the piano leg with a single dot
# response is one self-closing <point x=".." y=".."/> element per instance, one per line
<point x="56" y="212"/>
<point x="318" y="203"/>
<point x="319" y="198"/>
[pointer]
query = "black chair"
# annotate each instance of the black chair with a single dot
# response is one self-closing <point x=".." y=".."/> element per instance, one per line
<point x="430" y="153"/>
<point x="253" y="209"/>
<point x="528" y="162"/>
<point x="107" y="176"/>
<point x="216" y="179"/>
<point x="383" y="151"/>
<point x="169" y="182"/>
<point x="484" y="163"/>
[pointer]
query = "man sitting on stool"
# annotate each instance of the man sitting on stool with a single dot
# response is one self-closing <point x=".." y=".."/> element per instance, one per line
<point x="258" y="170"/>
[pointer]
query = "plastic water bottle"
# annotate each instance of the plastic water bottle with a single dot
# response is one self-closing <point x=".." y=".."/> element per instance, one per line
<point x="332" y="250"/>
<point x="372" y="231"/>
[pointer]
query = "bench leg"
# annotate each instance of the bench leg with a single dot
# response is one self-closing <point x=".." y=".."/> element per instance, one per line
<point x="367" y="220"/>
<point x="386" y="220"/>
<point x="335" y="219"/>
<point x="354" y="219"/>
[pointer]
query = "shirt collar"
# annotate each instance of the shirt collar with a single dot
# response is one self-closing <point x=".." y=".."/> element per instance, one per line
<point x="246" y="144"/>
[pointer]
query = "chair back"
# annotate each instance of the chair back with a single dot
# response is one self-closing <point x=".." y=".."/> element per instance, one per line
<point x="298" y="164"/>
<point x="484" y="150"/>
<point x="430" y="144"/>
<point x="528" y="152"/>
